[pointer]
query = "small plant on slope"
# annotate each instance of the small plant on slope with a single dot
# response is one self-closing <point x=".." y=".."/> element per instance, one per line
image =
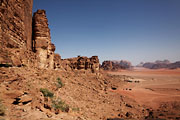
<point x="61" y="105"/>
<point x="59" y="83"/>
<point x="2" y="109"/>
<point x="46" y="92"/>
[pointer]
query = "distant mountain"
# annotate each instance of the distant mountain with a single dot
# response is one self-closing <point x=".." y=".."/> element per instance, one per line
<point x="161" y="64"/>
<point x="140" y="64"/>
<point x="115" y="65"/>
<point x="174" y="65"/>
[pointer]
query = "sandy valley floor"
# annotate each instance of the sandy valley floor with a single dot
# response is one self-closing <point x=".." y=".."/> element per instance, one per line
<point x="155" y="89"/>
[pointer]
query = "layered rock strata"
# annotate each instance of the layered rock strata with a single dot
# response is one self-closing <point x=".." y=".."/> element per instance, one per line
<point x="15" y="32"/>
<point x="16" y="23"/>
<point x="81" y="63"/>
<point x="26" y="40"/>
<point x="116" y="65"/>
<point x="42" y="40"/>
<point x="57" y="61"/>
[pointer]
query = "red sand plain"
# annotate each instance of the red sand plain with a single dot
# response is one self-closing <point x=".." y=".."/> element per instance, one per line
<point x="155" y="86"/>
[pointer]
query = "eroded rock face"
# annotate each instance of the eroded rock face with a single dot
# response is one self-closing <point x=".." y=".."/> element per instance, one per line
<point x="42" y="40"/>
<point x="15" y="21"/>
<point x="57" y="61"/>
<point x="116" y="65"/>
<point x="15" y="31"/>
<point x="94" y="63"/>
<point x="81" y="63"/>
<point x="107" y="65"/>
<point x="26" y="40"/>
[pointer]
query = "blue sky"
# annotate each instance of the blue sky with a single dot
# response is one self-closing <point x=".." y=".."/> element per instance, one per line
<point x="134" y="30"/>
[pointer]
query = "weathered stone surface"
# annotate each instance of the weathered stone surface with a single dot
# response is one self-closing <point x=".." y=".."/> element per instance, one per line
<point x="25" y="98"/>
<point x="81" y="63"/>
<point x="124" y="64"/>
<point x="41" y="32"/>
<point x="42" y="40"/>
<point x="26" y="40"/>
<point x="15" y="31"/>
<point x="16" y="23"/>
<point x="57" y="61"/>
<point x="116" y="65"/>
<point x="16" y="61"/>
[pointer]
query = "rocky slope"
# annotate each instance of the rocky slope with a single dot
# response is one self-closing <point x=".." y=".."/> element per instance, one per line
<point x="78" y="95"/>
<point x="81" y="63"/>
<point x="42" y="45"/>
<point x="15" y="32"/>
<point x="26" y="40"/>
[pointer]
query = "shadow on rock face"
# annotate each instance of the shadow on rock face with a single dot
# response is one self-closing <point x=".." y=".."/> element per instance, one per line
<point x="5" y="65"/>
<point x="114" y="119"/>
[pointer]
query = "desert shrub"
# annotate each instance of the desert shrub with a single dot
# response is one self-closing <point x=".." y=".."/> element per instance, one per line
<point x="2" y="109"/>
<point x="75" y="109"/>
<point x="61" y="105"/>
<point x="59" y="83"/>
<point x="46" y="92"/>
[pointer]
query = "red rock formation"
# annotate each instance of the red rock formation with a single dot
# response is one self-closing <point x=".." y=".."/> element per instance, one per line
<point x="116" y="65"/>
<point x="57" y="61"/>
<point x="94" y="64"/>
<point x="107" y="65"/>
<point x="26" y="40"/>
<point x="81" y="63"/>
<point x="16" y="23"/>
<point x="15" y="31"/>
<point x="42" y="40"/>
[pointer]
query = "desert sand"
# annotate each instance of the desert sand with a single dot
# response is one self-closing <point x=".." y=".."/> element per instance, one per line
<point x="154" y="89"/>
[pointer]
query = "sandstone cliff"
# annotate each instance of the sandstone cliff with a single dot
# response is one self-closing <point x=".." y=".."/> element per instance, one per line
<point x="26" y="40"/>
<point x="15" y="31"/>
<point x="42" y="45"/>
<point x="16" y="23"/>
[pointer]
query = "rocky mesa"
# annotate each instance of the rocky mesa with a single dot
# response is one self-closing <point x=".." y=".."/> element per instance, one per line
<point x="114" y="65"/>
<point x="161" y="64"/>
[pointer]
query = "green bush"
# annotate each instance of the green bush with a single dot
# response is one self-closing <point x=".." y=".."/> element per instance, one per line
<point x="46" y="92"/>
<point x="59" y="83"/>
<point x="2" y="109"/>
<point x="61" y="105"/>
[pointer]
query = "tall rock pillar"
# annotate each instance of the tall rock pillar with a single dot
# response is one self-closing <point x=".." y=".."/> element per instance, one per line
<point x="94" y="63"/>
<point x="42" y="40"/>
